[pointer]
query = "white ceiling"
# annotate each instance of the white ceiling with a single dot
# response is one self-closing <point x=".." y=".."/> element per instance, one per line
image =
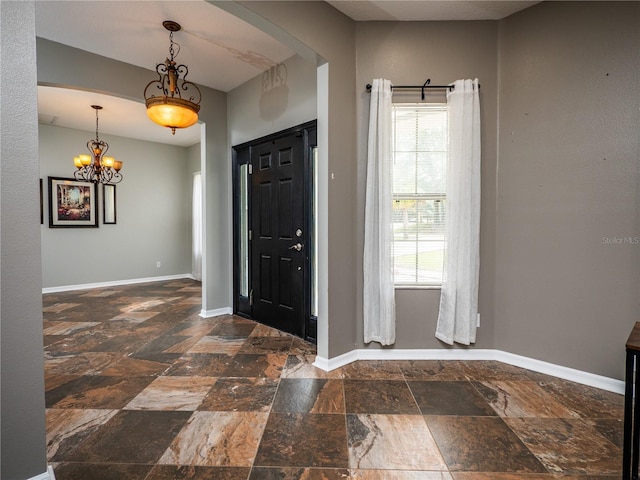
<point x="425" y="10"/>
<point x="221" y="51"/>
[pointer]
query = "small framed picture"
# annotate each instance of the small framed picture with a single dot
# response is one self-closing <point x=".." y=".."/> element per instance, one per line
<point x="72" y="204"/>
<point x="109" y="204"/>
<point x="41" y="204"/>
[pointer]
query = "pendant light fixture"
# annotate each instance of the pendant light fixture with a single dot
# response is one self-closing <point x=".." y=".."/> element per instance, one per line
<point x="171" y="100"/>
<point x="96" y="167"/>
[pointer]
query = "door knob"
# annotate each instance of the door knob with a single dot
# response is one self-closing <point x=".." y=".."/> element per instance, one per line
<point x="297" y="247"/>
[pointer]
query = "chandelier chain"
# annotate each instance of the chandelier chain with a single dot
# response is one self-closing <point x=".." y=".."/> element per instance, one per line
<point x="172" y="47"/>
<point x="97" y="138"/>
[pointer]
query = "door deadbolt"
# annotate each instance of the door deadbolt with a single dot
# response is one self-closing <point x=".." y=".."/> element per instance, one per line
<point x="298" y="233"/>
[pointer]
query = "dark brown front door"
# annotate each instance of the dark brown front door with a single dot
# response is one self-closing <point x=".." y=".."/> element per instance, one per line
<point x="278" y="250"/>
<point x="273" y="230"/>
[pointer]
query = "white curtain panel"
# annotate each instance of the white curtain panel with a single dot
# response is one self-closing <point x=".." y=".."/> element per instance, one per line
<point x="196" y="225"/>
<point x="457" y="319"/>
<point x="379" y="295"/>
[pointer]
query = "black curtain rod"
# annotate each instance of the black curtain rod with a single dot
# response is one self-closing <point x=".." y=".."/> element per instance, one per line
<point x="422" y="87"/>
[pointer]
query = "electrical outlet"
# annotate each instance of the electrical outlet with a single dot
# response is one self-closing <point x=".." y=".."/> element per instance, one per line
<point x="478" y="320"/>
<point x="158" y="264"/>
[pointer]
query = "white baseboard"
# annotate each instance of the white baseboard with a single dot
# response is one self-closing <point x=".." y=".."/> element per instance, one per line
<point x="578" y="376"/>
<point x="328" y="364"/>
<point x="216" y="312"/>
<point x="132" y="281"/>
<point x="48" y="475"/>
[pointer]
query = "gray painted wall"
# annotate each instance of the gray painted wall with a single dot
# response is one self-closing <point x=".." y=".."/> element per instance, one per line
<point x="407" y="53"/>
<point x="194" y="158"/>
<point x="153" y="206"/>
<point x="22" y="376"/>
<point x="544" y="59"/>
<point x="255" y="110"/>
<point x="568" y="184"/>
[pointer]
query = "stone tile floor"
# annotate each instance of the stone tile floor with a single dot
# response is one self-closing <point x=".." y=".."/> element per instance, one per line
<point x="138" y="386"/>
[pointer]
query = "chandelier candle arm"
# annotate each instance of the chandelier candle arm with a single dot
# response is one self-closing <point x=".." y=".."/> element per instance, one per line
<point x="96" y="167"/>
<point x="164" y="98"/>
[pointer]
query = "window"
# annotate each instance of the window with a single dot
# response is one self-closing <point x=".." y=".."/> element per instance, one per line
<point x="196" y="227"/>
<point x="243" y="270"/>
<point x="420" y="139"/>
<point x="314" y="234"/>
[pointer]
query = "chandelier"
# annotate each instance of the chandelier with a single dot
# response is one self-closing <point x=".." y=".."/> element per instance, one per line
<point x="172" y="101"/>
<point x="96" y="167"/>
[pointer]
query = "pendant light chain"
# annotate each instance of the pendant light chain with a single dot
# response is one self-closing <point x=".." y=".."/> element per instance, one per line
<point x="171" y="52"/>
<point x="97" y="138"/>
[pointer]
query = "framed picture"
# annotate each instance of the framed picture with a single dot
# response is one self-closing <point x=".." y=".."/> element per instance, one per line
<point x="72" y="203"/>
<point x="41" y="205"/>
<point x="109" y="204"/>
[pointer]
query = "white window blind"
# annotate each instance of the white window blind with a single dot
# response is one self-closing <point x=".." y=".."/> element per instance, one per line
<point x="420" y="139"/>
